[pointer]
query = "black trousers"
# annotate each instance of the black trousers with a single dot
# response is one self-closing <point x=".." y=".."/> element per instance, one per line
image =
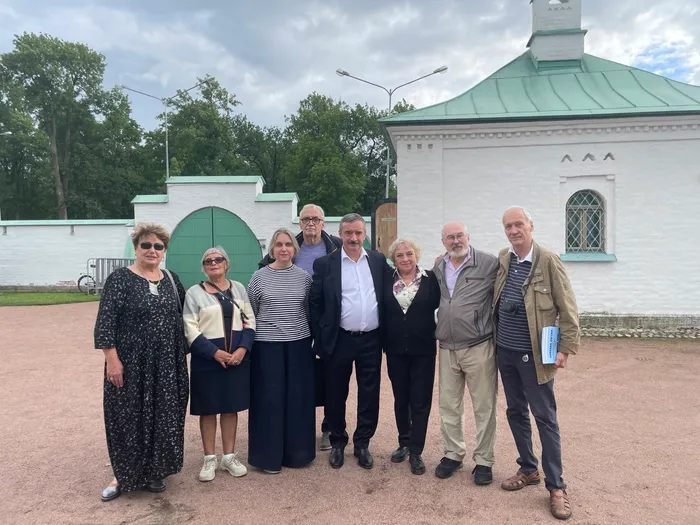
<point x="282" y="415"/>
<point x="365" y="351"/>
<point x="521" y="389"/>
<point x="412" y="378"/>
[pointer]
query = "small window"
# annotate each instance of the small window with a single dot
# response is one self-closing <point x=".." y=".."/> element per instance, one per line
<point x="585" y="223"/>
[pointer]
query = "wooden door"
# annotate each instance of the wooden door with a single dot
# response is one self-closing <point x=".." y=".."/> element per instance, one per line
<point x="384" y="226"/>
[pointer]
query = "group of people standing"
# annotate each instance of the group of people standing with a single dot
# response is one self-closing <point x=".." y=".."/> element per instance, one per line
<point x="317" y="296"/>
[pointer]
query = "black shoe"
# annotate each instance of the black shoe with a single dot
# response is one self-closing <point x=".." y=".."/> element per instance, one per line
<point x="399" y="455"/>
<point x="482" y="475"/>
<point x="336" y="457"/>
<point x="364" y="458"/>
<point x="417" y="465"/>
<point x="157" y="485"/>
<point x="447" y="467"/>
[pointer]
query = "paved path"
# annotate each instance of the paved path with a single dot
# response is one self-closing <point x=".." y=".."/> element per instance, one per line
<point x="629" y="413"/>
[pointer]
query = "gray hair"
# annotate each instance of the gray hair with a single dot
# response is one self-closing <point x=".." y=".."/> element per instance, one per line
<point x="313" y="206"/>
<point x="216" y="249"/>
<point x="408" y="242"/>
<point x="520" y="208"/>
<point x="442" y="233"/>
<point x="351" y="217"/>
<point x="273" y="240"/>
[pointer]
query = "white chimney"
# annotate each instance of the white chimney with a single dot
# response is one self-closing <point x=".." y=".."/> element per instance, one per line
<point x="556" y="31"/>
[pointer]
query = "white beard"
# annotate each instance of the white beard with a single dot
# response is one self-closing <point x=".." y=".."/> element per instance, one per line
<point x="458" y="253"/>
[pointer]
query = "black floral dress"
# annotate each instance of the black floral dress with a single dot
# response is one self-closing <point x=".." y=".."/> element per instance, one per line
<point x="145" y="419"/>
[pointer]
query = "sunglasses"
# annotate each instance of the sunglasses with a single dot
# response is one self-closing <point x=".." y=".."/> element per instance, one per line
<point x="215" y="260"/>
<point x="157" y="246"/>
<point x="307" y="220"/>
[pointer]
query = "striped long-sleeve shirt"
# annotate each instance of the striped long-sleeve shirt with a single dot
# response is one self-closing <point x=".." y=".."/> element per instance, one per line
<point x="280" y="300"/>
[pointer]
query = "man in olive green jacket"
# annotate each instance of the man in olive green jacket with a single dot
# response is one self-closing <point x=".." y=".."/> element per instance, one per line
<point x="532" y="291"/>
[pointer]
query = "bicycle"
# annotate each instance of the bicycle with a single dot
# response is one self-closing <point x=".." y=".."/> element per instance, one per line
<point x="87" y="283"/>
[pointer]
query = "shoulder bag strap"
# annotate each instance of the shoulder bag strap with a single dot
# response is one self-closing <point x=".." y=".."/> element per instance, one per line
<point x="177" y="295"/>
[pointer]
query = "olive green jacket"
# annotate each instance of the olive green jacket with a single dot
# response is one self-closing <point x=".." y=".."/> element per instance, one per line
<point x="549" y="300"/>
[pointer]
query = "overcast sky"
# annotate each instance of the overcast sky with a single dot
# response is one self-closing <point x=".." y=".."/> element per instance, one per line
<point x="272" y="53"/>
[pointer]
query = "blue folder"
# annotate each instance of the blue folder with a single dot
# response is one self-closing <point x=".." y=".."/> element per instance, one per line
<point x="550" y="344"/>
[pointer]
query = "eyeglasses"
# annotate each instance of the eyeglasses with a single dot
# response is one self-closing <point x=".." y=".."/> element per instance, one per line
<point x="215" y="260"/>
<point x="458" y="237"/>
<point x="315" y="220"/>
<point x="157" y="246"/>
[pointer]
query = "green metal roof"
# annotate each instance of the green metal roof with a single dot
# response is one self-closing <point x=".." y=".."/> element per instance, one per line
<point x="276" y="197"/>
<point x="69" y="222"/>
<point x="145" y="199"/>
<point x="592" y="87"/>
<point x="210" y="180"/>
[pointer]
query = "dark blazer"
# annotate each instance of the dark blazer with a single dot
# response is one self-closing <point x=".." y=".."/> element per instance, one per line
<point x="414" y="331"/>
<point x="331" y="241"/>
<point x="326" y="296"/>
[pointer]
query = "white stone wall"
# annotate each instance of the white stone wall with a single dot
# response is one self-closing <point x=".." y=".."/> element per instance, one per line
<point x="55" y="253"/>
<point x="651" y="189"/>
<point x="51" y="255"/>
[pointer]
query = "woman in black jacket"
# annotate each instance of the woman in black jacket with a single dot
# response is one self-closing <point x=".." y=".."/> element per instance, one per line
<point x="411" y="299"/>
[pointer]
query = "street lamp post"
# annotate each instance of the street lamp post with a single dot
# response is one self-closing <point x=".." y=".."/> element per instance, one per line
<point x="390" y="92"/>
<point x="165" y="102"/>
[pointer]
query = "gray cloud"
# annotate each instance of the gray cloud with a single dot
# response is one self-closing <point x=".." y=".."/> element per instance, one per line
<point x="272" y="53"/>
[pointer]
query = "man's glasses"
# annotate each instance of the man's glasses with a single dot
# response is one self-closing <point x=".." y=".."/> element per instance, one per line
<point x="453" y="238"/>
<point x="157" y="246"/>
<point x="215" y="260"/>
<point x="315" y="220"/>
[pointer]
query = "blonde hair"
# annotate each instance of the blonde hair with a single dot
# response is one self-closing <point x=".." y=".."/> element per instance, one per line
<point x="408" y="242"/>
<point x="145" y="229"/>
<point x="273" y="240"/>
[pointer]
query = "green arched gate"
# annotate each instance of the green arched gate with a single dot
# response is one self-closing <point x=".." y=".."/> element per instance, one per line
<point x="212" y="227"/>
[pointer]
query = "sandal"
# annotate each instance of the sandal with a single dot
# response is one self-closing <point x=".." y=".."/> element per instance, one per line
<point x="559" y="504"/>
<point x="111" y="491"/>
<point x="521" y="480"/>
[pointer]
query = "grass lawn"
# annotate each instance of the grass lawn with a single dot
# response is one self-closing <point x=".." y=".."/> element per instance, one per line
<point x="36" y="298"/>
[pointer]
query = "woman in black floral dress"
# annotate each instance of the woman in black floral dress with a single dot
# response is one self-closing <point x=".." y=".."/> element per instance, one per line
<point x="139" y="327"/>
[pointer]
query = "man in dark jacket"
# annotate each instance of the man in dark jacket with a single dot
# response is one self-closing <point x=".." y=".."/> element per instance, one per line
<point x="313" y="243"/>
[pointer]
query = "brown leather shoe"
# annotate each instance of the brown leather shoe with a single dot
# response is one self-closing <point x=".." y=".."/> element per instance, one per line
<point x="521" y="480"/>
<point x="559" y="504"/>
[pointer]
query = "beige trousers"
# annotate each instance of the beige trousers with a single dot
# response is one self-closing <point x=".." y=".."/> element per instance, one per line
<point x="477" y="367"/>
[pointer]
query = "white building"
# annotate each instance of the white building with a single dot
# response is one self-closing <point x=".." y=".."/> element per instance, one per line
<point x="606" y="158"/>
<point x="200" y="212"/>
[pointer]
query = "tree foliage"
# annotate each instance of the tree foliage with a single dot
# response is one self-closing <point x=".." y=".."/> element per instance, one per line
<point x="75" y="150"/>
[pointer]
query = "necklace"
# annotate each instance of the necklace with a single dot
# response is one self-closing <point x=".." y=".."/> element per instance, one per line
<point x="152" y="284"/>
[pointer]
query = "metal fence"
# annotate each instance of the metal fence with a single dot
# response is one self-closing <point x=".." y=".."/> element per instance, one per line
<point x="101" y="268"/>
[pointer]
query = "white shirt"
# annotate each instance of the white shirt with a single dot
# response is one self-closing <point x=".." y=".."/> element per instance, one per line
<point x="527" y="258"/>
<point x="452" y="273"/>
<point x="358" y="307"/>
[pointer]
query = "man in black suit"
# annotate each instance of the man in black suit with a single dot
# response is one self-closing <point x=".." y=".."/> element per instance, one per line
<point x="346" y="306"/>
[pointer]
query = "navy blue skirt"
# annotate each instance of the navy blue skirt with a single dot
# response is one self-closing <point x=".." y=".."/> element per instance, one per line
<point x="282" y="417"/>
<point x="220" y="390"/>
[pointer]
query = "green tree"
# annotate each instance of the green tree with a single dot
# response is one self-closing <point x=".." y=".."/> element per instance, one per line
<point x="61" y="82"/>
<point x="110" y="159"/>
<point x="201" y="135"/>
<point x="264" y="150"/>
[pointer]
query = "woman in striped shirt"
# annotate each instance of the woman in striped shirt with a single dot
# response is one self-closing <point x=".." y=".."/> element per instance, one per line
<point x="282" y="416"/>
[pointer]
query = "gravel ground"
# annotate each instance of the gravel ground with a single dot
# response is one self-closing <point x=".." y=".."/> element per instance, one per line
<point x="628" y="410"/>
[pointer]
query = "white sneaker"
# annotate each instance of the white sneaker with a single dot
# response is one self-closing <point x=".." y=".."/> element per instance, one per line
<point x="231" y="463"/>
<point x="208" y="471"/>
